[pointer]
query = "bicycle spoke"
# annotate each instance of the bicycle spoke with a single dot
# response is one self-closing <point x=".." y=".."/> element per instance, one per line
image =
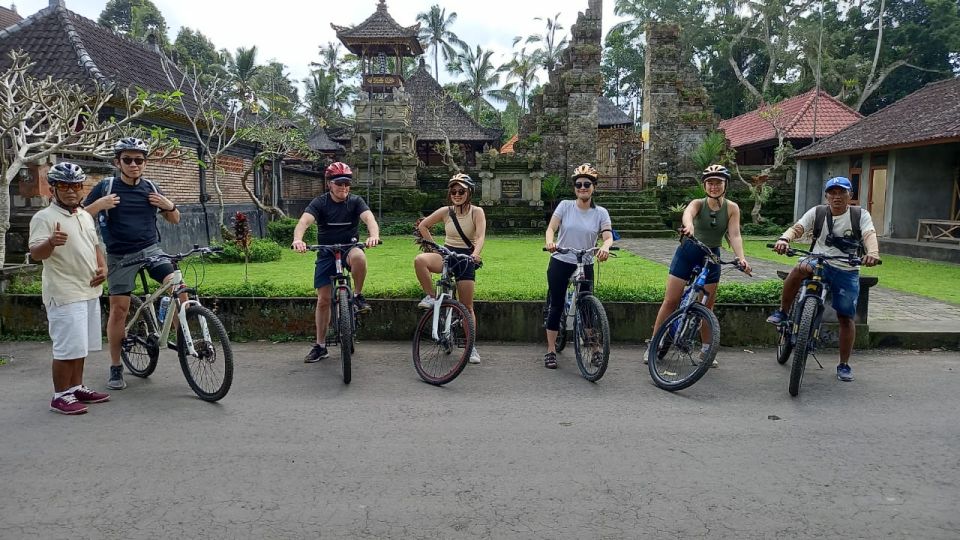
<point x="439" y="361"/>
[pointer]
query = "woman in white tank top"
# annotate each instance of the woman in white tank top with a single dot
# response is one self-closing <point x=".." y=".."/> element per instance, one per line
<point x="473" y="222"/>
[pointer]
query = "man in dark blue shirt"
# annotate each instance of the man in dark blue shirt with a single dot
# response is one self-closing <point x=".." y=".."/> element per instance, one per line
<point x="337" y="214"/>
<point x="126" y="207"/>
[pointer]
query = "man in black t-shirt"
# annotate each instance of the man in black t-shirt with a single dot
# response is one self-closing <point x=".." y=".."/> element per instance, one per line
<point x="337" y="214"/>
<point x="126" y="208"/>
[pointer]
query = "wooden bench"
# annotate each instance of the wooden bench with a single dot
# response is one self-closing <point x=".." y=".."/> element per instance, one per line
<point x="938" y="230"/>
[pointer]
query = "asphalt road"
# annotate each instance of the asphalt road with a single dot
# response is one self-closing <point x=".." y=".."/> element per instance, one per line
<point x="508" y="450"/>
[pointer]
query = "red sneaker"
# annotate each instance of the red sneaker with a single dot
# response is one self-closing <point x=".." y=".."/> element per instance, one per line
<point x="67" y="404"/>
<point x="86" y="395"/>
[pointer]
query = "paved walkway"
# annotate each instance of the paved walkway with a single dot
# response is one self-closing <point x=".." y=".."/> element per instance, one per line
<point x="887" y="306"/>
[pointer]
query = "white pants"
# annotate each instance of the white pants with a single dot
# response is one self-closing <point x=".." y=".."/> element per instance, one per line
<point x="75" y="329"/>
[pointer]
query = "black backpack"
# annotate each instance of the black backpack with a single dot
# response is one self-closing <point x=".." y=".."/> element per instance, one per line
<point x="849" y="246"/>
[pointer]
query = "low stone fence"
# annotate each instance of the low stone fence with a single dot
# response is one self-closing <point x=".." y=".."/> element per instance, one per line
<point x="286" y="318"/>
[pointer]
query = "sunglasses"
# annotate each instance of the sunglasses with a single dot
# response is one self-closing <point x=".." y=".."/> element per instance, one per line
<point x="458" y="192"/>
<point x="341" y="182"/>
<point x="713" y="220"/>
<point x="69" y="187"/>
<point x="127" y="160"/>
<point x="582" y="185"/>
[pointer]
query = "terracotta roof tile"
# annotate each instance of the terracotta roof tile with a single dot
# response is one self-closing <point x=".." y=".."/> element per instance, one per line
<point x="8" y="17"/>
<point x="931" y="113"/>
<point x="797" y="118"/>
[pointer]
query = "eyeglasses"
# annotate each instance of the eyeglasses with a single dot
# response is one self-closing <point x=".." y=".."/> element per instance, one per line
<point x="70" y="187"/>
<point x="127" y="160"/>
<point x="458" y="192"/>
<point x="713" y="220"/>
<point x="583" y="185"/>
<point x="341" y="182"/>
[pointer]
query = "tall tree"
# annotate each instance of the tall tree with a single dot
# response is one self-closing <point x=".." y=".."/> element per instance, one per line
<point x="435" y="31"/>
<point x="242" y="68"/>
<point x="481" y="75"/>
<point x="194" y="50"/>
<point x="550" y="50"/>
<point x="272" y="85"/>
<point x="520" y="74"/>
<point x="134" y="17"/>
<point x="622" y="66"/>
<point x="324" y="99"/>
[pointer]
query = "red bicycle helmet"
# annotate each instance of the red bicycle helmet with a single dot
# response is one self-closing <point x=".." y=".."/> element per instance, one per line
<point x="338" y="169"/>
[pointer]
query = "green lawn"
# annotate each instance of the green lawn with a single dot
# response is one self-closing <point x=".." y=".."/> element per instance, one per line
<point x="514" y="269"/>
<point x="918" y="276"/>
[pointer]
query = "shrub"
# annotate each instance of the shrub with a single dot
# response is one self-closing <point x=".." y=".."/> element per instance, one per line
<point x="281" y="232"/>
<point x="260" y="251"/>
<point x="402" y="228"/>
<point x="761" y="229"/>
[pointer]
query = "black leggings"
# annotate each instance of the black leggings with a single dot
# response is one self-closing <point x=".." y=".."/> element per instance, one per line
<point x="558" y="275"/>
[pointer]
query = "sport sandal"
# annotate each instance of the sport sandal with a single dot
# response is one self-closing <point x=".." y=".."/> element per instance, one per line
<point x="550" y="360"/>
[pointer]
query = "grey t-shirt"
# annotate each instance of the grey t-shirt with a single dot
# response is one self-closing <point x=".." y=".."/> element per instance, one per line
<point x="579" y="229"/>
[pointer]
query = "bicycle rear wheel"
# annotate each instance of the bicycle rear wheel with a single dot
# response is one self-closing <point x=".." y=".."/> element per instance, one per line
<point x="439" y="361"/>
<point x="345" y="328"/>
<point x="808" y="313"/>
<point x="140" y="348"/>
<point x="676" y="358"/>
<point x="591" y="338"/>
<point x="210" y="372"/>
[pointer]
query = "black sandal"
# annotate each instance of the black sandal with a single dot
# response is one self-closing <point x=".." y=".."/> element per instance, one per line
<point x="550" y="360"/>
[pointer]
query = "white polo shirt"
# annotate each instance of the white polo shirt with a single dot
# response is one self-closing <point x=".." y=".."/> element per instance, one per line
<point x="68" y="271"/>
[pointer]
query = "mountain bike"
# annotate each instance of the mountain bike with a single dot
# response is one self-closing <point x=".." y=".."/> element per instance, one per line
<point x="344" y="316"/>
<point x="583" y="314"/>
<point x="445" y="334"/>
<point x="203" y="346"/>
<point x="676" y="358"/>
<point x="799" y="333"/>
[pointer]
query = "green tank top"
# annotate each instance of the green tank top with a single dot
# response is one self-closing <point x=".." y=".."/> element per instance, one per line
<point x="712" y="236"/>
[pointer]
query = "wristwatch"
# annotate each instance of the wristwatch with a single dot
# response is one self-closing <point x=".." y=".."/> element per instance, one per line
<point x="170" y="210"/>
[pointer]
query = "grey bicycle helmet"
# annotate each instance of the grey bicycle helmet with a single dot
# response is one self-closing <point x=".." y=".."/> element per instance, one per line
<point x="65" y="173"/>
<point x="131" y="143"/>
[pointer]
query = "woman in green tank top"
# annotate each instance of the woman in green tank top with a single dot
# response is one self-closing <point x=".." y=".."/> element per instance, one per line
<point x="709" y="220"/>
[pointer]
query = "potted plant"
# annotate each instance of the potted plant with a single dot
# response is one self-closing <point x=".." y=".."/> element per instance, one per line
<point x="676" y="214"/>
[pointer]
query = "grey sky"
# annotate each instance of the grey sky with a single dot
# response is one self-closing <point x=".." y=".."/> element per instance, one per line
<point x="290" y="32"/>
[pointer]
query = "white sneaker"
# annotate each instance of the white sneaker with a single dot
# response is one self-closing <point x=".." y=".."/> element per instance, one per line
<point x="474" y="356"/>
<point x="427" y="302"/>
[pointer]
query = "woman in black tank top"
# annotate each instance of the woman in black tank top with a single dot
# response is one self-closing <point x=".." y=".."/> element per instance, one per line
<point x="714" y="216"/>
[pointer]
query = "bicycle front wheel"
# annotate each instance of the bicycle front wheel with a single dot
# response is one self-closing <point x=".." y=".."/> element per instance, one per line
<point x="808" y="312"/>
<point x="209" y="372"/>
<point x="591" y="338"/>
<point x="140" y="348"/>
<point x="439" y="361"/>
<point x="344" y="318"/>
<point x="676" y="357"/>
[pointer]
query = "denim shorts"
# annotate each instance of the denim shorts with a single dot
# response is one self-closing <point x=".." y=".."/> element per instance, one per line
<point x="844" y="288"/>
<point x="687" y="257"/>
<point x="327" y="266"/>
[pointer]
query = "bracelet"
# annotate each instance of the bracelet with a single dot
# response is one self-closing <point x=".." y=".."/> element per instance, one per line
<point x="784" y="238"/>
<point x="170" y="210"/>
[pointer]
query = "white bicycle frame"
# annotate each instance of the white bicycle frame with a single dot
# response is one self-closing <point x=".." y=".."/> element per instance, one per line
<point x="437" y="306"/>
<point x="181" y="309"/>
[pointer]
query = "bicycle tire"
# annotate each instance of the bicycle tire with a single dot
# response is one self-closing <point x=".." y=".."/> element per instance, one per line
<point x="591" y="336"/>
<point x="345" y="328"/>
<point x="666" y="369"/>
<point x="784" y="340"/>
<point x="209" y="374"/>
<point x="140" y="349"/>
<point x="435" y="362"/>
<point x="804" y="334"/>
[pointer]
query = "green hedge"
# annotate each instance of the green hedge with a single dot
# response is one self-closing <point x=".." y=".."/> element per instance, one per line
<point x="260" y="251"/>
<point x="281" y="232"/>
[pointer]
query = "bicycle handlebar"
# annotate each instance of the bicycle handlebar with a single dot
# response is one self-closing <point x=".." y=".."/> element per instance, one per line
<point x="448" y="253"/>
<point x="563" y="250"/>
<point x="332" y="247"/>
<point x="851" y="260"/>
<point x="173" y="258"/>
<point x="714" y="257"/>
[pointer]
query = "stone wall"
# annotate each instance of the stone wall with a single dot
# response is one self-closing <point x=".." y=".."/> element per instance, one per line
<point x="388" y="117"/>
<point x="677" y="114"/>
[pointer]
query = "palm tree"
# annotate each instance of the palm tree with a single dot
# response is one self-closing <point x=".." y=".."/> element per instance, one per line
<point x="243" y="67"/>
<point x="521" y="73"/>
<point x="436" y="32"/>
<point x="549" y="54"/>
<point x="324" y="98"/>
<point x="481" y="76"/>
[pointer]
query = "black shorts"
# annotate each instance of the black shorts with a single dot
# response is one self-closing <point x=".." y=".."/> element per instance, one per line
<point x="463" y="270"/>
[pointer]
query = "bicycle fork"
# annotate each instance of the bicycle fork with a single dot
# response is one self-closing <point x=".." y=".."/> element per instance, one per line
<point x="436" y="318"/>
